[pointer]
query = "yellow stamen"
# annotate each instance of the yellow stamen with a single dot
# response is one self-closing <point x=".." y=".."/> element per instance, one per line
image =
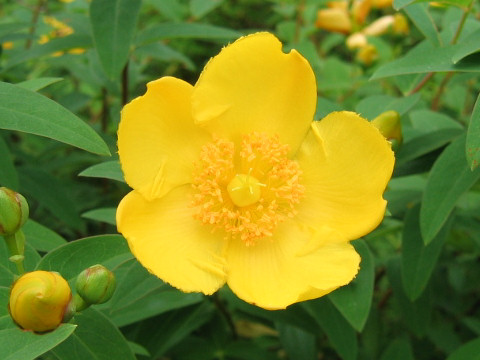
<point x="248" y="191"/>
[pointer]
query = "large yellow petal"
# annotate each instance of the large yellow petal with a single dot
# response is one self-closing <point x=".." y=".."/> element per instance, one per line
<point x="165" y="238"/>
<point x="158" y="141"/>
<point x="253" y="86"/>
<point x="346" y="166"/>
<point x="276" y="272"/>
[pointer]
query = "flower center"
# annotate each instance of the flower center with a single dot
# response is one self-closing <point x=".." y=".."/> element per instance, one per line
<point x="246" y="191"/>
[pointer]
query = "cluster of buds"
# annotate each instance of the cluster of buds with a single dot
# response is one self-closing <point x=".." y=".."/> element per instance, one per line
<point x="338" y="17"/>
<point x="41" y="300"/>
<point x="59" y="29"/>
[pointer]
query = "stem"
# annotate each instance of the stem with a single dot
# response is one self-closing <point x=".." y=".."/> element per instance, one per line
<point x="125" y="84"/>
<point x="104" y="115"/>
<point x="16" y="248"/>
<point x="218" y="303"/>
<point x="33" y="25"/>
<point x="421" y="83"/>
<point x="441" y="88"/>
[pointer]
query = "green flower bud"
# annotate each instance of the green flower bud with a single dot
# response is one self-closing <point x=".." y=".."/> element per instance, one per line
<point x="390" y="126"/>
<point x="13" y="211"/>
<point x="39" y="300"/>
<point x="96" y="284"/>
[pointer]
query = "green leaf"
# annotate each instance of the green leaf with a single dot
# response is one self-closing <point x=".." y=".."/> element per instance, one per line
<point x="18" y="344"/>
<point x="473" y="137"/>
<point x="73" y="257"/>
<point x="468" y="351"/>
<point x="341" y="335"/>
<point x="6" y="321"/>
<point x="425" y="58"/>
<point x="186" y="30"/>
<point x="416" y="315"/>
<point x="38" y="83"/>
<point x="373" y="106"/>
<point x="200" y="8"/>
<point x="354" y="300"/>
<point x="106" y="215"/>
<point x="140" y="295"/>
<point x="399" y="4"/>
<point x="420" y="16"/>
<point x="449" y="178"/>
<point x="107" y="170"/>
<point x="468" y="46"/>
<point x="248" y="350"/>
<point x="418" y="259"/>
<point x="299" y="344"/>
<point x="8" y="174"/>
<point x="41" y="237"/>
<point x="399" y="349"/>
<point x="165" y="53"/>
<point x="8" y="270"/>
<point x="27" y="111"/>
<point x="96" y="338"/>
<point x="113" y="26"/>
<point x="51" y="193"/>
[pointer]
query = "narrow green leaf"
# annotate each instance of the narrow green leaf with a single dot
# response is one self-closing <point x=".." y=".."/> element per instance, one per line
<point x="6" y="321"/>
<point x="420" y="16"/>
<point x="106" y="215"/>
<point x="107" y="170"/>
<point x="468" y="351"/>
<point x="248" y="350"/>
<point x="73" y="257"/>
<point x="165" y="53"/>
<point x="373" y="106"/>
<point x="449" y="178"/>
<point x="200" y="8"/>
<point x="425" y="58"/>
<point x="354" y="300"/>
<point x="418" y="259"/>
<point x="186" y="30"/>
<point x="468" y="46"/>
<point x="41" y="237"/>
<point x="95" y="338"/>
<point x="38" y="83"/>
<point x="341" y="335"/>
<point x="27" y="111"/>
<point x="113" y="26"/>
<point x="399" y="4"/>
<point x="140" y="295"/>
<point x="18" y="344"/>
<point x="299" y="344"/>
<point x="473" y="137"/>
<point x="8" y="174"/>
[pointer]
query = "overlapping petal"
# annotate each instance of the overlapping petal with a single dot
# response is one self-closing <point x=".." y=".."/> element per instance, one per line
<point x="158" y="141"/>
<point x="277" y="272"/>
<point x="253" y="86"/>
<point x="165" y="238"/>
<point x="346" y="165"/>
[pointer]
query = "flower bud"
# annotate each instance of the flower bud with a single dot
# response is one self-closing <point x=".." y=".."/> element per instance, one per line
<point x="360" y="10"/>
<point x="356" y="41"/>
<point x="367" y="54"/>
<point x="38" y="300"/>
<point x="334" y="20"/>
<point x="379" y="26"/>
<point x="96" y="284"/>
<point x="13" y="211"/>
<point x="400" y="25"/>
<point x="390" y="126"/>
<point x="381" y="4"/>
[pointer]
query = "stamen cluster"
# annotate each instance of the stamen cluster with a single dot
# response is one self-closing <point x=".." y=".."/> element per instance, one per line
<point x="262" y="157"/>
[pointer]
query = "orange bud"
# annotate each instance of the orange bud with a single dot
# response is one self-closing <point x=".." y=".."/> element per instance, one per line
<point x="360" y="10"/>
<point x="367" y="54"/>
<point x="334" y="20"/>
<point x="381" y="4"/>
<point x="39" y="300"/>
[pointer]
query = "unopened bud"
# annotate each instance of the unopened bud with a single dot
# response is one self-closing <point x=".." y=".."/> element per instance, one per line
<point x="356" y="41"/>
<point x="379" y="26"/>
<point x="380" y="4"/>
<point x="334" y="20"/>
<point x="96" y="284"/>
<point x="367" y="54"/>
<point x="400" y="24"/>
<point x="13" y="211"/>
<point x="39" y="300"/>
<point x="390" y="126"/>
<point x="360" y="10"/>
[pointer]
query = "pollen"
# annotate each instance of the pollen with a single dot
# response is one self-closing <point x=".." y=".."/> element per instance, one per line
<point x="248" y="189"/>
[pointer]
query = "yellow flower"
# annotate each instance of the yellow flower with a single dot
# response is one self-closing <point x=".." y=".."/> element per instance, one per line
<point x="38" y="300"/>
<point x="235" y="183"/>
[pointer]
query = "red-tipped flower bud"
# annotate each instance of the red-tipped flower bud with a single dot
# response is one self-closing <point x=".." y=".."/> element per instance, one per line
<point x="38" y="300"/>
<point x="96" y="284"/>
<point x="13" y="211"/>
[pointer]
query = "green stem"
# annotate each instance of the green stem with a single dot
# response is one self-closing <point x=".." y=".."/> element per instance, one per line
<point x="80" y="304"/>
<point x="16" y="248"/>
